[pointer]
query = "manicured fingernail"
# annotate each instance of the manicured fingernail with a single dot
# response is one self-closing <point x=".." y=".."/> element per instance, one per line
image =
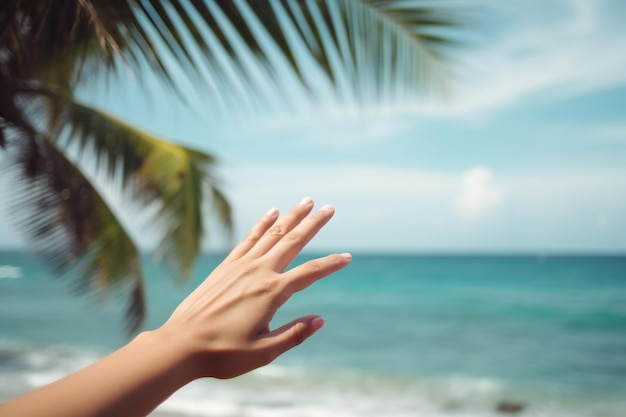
<point x="272" y="212"/>
<point x="347" y="256"/>
<point x="316" y="324"/>
<point x="327" y="207"/>
<point x="305" y="201"/>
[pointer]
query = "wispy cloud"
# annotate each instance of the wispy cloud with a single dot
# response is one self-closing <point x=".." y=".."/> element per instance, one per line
<point x="386" y="207"/>
<point x="480" y="193"/>
<point x="578" y="54"/>
<point x="332" y="127"/>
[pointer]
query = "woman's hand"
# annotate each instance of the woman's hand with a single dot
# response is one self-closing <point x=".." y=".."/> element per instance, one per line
<point x="220" y="330"/>
<point x="225" y="321"/>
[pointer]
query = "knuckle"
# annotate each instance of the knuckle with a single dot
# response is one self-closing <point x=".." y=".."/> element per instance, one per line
<point x="294" y="236"/>
<point x="276" y="230"/>
<point x="314" y="266"/>
<point x="299" y="334"/>
<point x="265" y="287"/>
<point x="253" y="235"/>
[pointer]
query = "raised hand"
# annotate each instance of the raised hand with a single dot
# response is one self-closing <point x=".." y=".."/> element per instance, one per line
<point x="225" y="321"/>
<point x="220" y="330"/>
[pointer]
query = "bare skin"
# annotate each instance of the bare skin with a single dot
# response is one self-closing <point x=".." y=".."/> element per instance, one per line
<point x="220" y="330"/>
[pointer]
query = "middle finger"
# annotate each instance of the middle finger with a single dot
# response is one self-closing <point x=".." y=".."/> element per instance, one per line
<point x="285" y="250"/>
<point x="282" y="226"/>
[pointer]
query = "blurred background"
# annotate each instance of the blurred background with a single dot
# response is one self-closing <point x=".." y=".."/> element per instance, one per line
<point x="478" y="172"/>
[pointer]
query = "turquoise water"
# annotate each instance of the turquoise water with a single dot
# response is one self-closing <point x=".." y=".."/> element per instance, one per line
<point x="405" y="336"/>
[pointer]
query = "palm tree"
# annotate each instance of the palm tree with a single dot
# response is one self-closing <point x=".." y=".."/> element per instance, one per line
<point x="49" y="49"/>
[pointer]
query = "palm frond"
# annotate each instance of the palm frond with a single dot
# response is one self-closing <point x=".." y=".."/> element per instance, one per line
<point x="369" y="44"/>
<point x="72" y="227"/>
<point x="178" y="179"/>
<point x="174" y="178"/>
<point x="155" y="171"/>
<point x="368" y="49"/>
<point x="379" y="47"/>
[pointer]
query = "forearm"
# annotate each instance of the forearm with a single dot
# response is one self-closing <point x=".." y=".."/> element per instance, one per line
<point x="130" y="382"/>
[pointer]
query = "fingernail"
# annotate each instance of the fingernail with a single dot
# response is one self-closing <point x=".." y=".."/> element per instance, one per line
<point x="316" y="324"/>
<point x="305" y="201"/>
<point x="327" y="207"/>
<point x="347" y="256"/>
<point x="272" y="212"/>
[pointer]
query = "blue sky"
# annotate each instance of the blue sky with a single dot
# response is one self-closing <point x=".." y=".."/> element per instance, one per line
<point x="527" y="152"/>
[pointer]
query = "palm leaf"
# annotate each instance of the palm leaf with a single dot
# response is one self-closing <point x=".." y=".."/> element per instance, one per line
<point x="370" y="44"/>
<point x="177" y="179"/>
<point x="155" y="171"/>
<point x="347" y="38"/>
<point x="64" y="217"/>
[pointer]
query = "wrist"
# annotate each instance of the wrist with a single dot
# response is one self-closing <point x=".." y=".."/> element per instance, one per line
<point x="174" y="351"/>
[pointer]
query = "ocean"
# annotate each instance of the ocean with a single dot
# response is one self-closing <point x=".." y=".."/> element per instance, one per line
<point x="414" y="335"/>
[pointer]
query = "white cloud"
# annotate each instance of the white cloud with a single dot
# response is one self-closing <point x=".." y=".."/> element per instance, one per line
<point x="328" y="126"/>
<point x="387" y="208"/>
<point x="575" y="54"/>
<point x="271" y="184"/>
<point x="480" y="194"/>
<point x="374" y="203"/>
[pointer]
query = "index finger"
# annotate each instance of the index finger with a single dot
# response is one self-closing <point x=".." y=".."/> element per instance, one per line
<point x="287" y="248"/>
<point x="306" y="274"/>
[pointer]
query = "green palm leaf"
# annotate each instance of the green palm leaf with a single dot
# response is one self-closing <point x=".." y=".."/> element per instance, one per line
<point x="156" y="171"/>
<point x="70" y="224"/>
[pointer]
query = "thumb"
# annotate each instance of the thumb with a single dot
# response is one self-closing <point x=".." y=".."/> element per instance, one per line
<point x="292" y="334"/>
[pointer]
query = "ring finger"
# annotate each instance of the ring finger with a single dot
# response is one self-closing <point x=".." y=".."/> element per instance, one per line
<point x="282" y="226"/>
